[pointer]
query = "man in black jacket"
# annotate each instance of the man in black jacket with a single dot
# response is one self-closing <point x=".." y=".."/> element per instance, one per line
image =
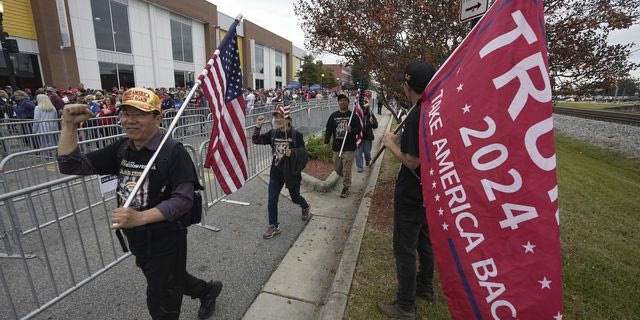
<point x="283" y="140"/>
<point x="410" y="230"/>
<point x="342" y="126"/>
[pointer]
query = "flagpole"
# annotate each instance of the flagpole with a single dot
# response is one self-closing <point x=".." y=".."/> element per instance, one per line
<point x="394" y="132"/>
<point x="172" y="126"/>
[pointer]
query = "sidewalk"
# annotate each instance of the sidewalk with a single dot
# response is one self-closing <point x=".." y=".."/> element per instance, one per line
<point x="299" y="286"/>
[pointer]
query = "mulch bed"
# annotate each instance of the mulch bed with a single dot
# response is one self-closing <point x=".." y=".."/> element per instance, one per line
<point x="318" y="169"/>
<point x="381" y="210"/>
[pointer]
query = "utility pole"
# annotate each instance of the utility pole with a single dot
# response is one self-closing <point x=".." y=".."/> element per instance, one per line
<point x="8" y="46"/>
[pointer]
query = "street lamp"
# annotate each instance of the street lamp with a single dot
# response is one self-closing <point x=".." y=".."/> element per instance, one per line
<point x="322" y="81"/>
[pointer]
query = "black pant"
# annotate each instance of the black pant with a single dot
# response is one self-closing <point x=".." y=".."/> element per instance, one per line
<point x="168" y="280"/>
<point x="411" y="234"/>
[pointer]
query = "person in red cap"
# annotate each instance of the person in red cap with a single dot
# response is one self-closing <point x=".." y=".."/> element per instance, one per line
<point x="289" y="158"/>
<point x="155" y="222"/>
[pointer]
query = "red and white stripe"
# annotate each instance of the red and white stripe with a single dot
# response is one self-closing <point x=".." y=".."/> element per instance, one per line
<point x="227" y="153"/>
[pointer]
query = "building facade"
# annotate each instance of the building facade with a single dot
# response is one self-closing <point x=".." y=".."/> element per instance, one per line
<point x="342" y="74"/>
<point x="125" y="43"/>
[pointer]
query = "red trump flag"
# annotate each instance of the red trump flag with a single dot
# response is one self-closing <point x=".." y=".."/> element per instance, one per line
<point x="489" y="171"/>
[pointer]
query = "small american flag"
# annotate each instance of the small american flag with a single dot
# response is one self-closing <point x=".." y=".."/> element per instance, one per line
<point x="358" y="108"/>
<point x="221" y="82"/>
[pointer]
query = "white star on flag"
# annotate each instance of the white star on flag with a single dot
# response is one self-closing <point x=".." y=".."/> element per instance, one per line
<point x="558" y="316"/>
<point x="431" y="172"/>
<point x="445" y="226"/>
<point x="437" y="197"/>
<point x="528" y="247"/>
<point x="460" y="87"/>
<point x="440" y="211"/>
<point x="466" y="108"/>
<point x="545" y="283"/>
<point x="433" y="185"/>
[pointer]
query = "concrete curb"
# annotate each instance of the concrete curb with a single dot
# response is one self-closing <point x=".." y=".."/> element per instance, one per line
<point x="318" y="185"/>
<point x="338" y="295"/>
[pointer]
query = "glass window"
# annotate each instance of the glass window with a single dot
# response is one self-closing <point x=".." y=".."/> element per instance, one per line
<point x="259" y="84"/>
<point x="187" y="43"/>
<point x="189" y="78"/>
<point x="108" y="75"/>
<point x="279" y="84"/>
<point x="176" y="40"/>
<point x="278" y="64"/>
<point x="102" y="24"/>
<point x="178" y="77"/>
<point x="120" y="19"/>
<point x="183" y="78"/>
<point x="125" y="75"/>
<point x="181" y="41"/>
<point x="116" y="75"/>
<point x="259" y="58"/>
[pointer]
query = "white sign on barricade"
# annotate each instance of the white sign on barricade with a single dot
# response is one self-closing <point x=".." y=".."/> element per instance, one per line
<point x="107" y="183"/>
<point x="470" y="9"/>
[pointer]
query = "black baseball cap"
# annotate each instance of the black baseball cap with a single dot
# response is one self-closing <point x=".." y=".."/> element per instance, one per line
<point x="342" y="96"/>
<point x="417" y="74"/>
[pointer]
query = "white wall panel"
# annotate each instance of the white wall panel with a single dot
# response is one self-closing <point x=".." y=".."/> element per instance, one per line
<point x="84" y="41"/>
<point x="199" y="52"/>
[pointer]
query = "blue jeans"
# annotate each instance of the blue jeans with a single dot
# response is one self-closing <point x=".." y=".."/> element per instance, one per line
<point x="275" y="185"/>
<point x="366" y="149"/>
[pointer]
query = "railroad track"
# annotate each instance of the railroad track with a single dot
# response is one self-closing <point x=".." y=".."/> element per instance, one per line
<point x="608" y="116"/>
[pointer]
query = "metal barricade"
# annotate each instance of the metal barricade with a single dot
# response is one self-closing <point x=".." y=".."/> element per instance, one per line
<point x="27" y="168"/>
<point x="64" y="222"/>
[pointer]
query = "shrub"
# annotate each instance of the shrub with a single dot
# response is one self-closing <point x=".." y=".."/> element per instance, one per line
<point x="316" y="151"/>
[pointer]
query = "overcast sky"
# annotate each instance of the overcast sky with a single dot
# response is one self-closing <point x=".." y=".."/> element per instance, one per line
<point x="278" y="17"/>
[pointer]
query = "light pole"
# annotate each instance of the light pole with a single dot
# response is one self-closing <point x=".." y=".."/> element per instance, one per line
<point x="339" y="84"/>
<point x="322" y="81"/>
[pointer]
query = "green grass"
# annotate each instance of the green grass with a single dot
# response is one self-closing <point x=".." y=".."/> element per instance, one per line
<point x="599" y="207"/>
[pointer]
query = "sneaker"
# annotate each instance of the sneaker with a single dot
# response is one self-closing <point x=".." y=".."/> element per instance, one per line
<point x="208" y="302"/>
<point x="345" y="192"/>
<point x="271" y="232"/>
<point x="391" y="310"/>
<point x="305" y="213"/>
<point x="368" y="162"/>
<point x="360" y="170"/>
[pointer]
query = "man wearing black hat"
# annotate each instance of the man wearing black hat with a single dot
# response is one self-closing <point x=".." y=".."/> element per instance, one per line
<point x="342" y="126"/>
<point x="410" y="232"/>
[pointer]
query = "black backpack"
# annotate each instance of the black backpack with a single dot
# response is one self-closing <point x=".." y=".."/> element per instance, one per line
<point x="194" y="216"/>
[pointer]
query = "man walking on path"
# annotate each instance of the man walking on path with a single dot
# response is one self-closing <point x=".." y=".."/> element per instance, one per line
<point x="340" y="128"/>
<point x="155" y="224"/>
<point x="287" y="147"/>
<point x="410" y="231"/>
<point x="363" y="154"/>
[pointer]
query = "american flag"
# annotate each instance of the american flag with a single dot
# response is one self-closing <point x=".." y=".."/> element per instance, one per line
<point x="221" y="82"/>
<point x="358" y="108"/>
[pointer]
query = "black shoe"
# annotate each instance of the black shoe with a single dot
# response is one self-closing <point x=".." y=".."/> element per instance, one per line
<point x="426" y="295"/>
<point x="305" y="213"/>
<point x="345" y="192"/>
<point x="392" y="310"/>
<point x="208" y="302"/>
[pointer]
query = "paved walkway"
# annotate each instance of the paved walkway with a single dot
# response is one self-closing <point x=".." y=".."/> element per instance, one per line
<point x="299" y="286"/>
